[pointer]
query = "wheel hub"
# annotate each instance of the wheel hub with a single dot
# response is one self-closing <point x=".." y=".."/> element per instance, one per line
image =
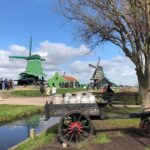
<point x="75" y="127"/>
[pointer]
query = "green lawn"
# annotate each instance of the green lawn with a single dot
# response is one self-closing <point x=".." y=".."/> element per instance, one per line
<point x="13" y="112"/>
<point x="36" y="92"/>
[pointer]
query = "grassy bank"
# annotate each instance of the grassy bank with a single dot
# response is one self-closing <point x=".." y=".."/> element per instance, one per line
<point x="13" y="112"/>
<point x="46" y="140"/>
<point x="100" y="138"/>
<point x="36" y="92"/>
<point x="41" y="139"/>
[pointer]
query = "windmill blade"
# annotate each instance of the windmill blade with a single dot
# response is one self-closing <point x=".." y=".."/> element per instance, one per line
<point x="17" y="57"/>
<point x="30" y="48"/>
<point x="98" y="62"/>
<point x="92" y="66"/>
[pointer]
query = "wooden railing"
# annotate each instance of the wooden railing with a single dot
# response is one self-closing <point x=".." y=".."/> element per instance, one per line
<point x="120" y="98"/>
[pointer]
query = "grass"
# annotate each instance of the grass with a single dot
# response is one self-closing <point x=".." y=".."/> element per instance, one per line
<point x="13" y="112"/>
<point x="102" y="138"/>
<point x="36" y="92"/>
<point x="40" y="140"/>
<point x="122" y="110"/>
<point x="45" y="138"/>
<point x="120" y="123"/>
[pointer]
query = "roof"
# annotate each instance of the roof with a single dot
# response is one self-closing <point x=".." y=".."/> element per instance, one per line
<point x="33" y="57"/>
<point x="70" y="78"/>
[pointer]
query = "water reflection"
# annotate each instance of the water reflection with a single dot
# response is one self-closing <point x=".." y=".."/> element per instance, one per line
<point x="13" y="133"/>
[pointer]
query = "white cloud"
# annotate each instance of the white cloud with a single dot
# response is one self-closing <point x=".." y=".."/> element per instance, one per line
<point x="58" y="53"/>
<point x="119" y="70"/>
<point x="54" y="53"/>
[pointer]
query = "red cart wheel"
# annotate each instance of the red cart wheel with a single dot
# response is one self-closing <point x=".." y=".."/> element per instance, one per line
<point x="74" y="127"/>
<point x="145" y="127"/>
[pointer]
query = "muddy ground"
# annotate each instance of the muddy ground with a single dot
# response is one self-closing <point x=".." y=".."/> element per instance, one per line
<point x="120" y="139"/>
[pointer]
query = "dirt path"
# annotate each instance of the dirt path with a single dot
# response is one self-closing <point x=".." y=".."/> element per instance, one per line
<point x="38" y="101"/>
<point x="131" y="139"/>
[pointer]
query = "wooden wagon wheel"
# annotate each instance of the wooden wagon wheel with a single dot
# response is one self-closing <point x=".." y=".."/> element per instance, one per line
<point x="145" y="127"/>
<point x="74" y="127"/>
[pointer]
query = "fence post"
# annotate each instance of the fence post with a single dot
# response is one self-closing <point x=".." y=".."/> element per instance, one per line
<point x="136" y="98"/>
<point x="124" y="101"/>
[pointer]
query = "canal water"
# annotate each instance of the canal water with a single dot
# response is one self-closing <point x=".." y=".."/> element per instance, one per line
<point x="15" y="132"/>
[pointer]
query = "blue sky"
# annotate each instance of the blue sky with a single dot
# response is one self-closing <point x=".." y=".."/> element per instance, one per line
<point x="20" y="19"/>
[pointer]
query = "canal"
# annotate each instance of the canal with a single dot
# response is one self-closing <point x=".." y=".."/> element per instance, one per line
<point x="15" y="132"/>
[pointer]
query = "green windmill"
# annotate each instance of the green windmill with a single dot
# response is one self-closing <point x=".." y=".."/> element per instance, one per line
<point x="33" y="71"/>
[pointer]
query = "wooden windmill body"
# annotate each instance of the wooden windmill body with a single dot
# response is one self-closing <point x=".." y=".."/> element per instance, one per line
<point x="98" y="78"/>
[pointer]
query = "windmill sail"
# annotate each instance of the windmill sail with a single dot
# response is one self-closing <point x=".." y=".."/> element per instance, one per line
<point x="98" y="62"/>
<point x="18" y="57"/>
<point x="92" y="66"/>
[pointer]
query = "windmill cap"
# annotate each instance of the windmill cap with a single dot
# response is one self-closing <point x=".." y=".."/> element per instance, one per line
<point x="33" y="57"/>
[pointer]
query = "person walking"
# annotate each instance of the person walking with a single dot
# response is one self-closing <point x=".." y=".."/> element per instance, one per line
<point x="42" y="89"/>
<point x="48" y="90"/>
<point x="1" y="84"/>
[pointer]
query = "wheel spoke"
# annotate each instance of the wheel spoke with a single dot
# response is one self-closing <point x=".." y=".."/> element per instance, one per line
<point x="64" y="130"/>
<point x="71" y="137"/>
<point x="73" y="118"/>
<point x="82" y="137"/>
<point x="85" y="133"/>
<point x="67" y="134"/>
<point x="85" y="127"/>
<point x="79" y="117"/>
<point x="76" y="138"/>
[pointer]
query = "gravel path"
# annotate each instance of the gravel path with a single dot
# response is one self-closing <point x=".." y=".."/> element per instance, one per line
<point x="38" y="101"/>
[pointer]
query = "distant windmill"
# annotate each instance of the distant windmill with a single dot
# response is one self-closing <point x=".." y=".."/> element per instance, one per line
<point x="98" y="73"/>
<point x="33" y="69"/>
<point x="99" y="79"/>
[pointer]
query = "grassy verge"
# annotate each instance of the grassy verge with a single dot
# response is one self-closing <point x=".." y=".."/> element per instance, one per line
<point x="36" y="93"/>
<point x="13" y="112"/>
<point x="44" y="139"/>
<point x="41" y="139"/>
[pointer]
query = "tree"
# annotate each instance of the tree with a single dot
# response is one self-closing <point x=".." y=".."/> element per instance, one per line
<point x="125" y="23"/>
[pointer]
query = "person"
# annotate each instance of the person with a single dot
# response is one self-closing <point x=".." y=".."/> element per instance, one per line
<point x="1" y="83"/>
<point x="109" y="90"/>
<point x="42" y="89"/>
<point x="10" y="84"/>
<point x="6" y="84"/>
<point x="53" y="93"/>
<point x="110" y="94"/>
<point x="53" y="89"/>
<point x="48" y="90"/>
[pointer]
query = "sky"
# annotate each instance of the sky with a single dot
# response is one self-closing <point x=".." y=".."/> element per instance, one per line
<point x="54" y="39"/>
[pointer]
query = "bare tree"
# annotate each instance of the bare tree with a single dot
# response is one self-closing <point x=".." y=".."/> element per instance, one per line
<point x="125" y="23"/>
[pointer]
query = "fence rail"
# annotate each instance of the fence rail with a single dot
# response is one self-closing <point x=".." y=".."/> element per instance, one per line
<point x="120" y="98"/>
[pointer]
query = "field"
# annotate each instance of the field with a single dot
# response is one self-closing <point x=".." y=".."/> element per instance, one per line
<point x="10" y="113"/>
